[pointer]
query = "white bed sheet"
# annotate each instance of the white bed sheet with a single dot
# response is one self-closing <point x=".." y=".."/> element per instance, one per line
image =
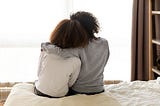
<point x="22" y="95"/>
<point x="136" y="93"/>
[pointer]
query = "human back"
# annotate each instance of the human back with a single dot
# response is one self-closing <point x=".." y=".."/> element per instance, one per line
<point x="93" y="57"/>
<point x="58" y="68"/>
<point x="57" y="73"/>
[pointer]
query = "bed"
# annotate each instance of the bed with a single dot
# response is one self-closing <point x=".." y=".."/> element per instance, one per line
<point x="136" y="93"/>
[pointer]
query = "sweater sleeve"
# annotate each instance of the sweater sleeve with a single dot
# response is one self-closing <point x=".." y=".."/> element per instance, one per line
<point x="107" y="51"/>
<point x="75" y="73"/>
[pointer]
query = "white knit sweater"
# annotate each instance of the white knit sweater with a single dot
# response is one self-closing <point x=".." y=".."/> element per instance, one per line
<point x="56" y="73"/>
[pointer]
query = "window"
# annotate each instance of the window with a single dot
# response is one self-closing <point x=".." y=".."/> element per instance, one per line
<point x="27" y="23"/>
<point x="115" y="20"/>
<point x="24" y="25"/>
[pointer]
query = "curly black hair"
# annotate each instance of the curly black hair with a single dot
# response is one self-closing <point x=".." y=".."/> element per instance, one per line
<point x="88" y="21"/>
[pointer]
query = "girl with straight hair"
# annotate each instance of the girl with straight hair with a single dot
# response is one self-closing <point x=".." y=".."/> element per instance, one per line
<point x="59" y="65"/>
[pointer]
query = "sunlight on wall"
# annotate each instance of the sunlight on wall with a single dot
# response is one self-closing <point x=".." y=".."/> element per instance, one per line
<point x="25" y="24"/>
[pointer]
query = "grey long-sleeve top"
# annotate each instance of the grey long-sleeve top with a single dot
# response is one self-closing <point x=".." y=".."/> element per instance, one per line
<point x="93" y="58"/>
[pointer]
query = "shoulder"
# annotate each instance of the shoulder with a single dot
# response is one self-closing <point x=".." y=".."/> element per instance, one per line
<point x="101" y="42"/>
<point x="76" y="61"/>
<point x="46" y="46"/>
<point x="53" y="49"/>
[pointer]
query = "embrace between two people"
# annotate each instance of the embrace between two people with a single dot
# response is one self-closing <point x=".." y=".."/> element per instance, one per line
<point x="73" y="60"/>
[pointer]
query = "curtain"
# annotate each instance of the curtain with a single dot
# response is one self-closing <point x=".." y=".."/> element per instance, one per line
<point x="140" y="50"/>
<point x="139" y="41"/>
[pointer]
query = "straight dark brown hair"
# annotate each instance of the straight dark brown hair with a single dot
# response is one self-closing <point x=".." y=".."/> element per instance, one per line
<point x="69" y="34"/>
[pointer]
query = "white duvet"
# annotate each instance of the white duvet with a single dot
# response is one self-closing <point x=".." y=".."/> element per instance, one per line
<point x="136" y="93"/>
